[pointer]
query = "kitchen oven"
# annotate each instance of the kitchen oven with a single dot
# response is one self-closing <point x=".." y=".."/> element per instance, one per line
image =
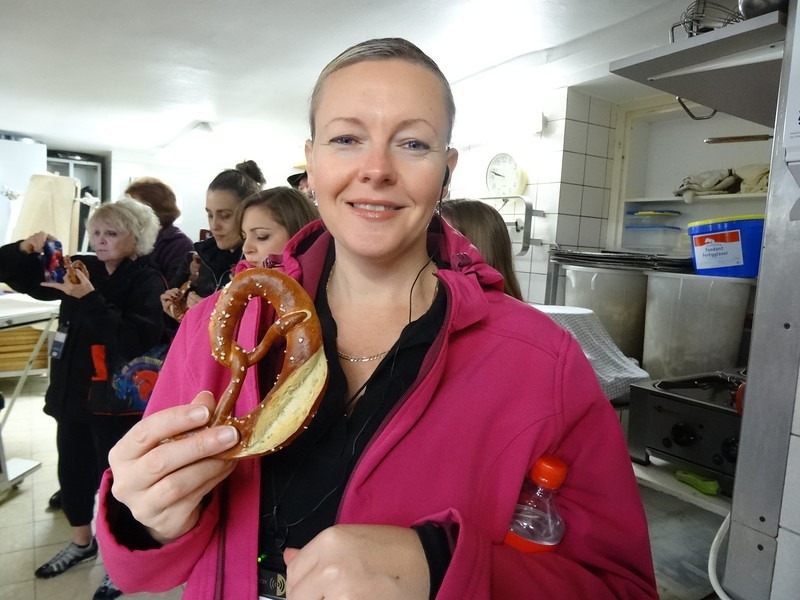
<point x="690" y="421"/>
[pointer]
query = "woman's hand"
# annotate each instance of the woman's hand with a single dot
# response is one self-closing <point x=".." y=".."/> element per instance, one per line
<point x="163" y="480"/>
<point x="76" y="290"/>
<point x="34" y="244"/>
<point x="359" y="562"/>
<point x="168" y="297"/>
<point x="194" y="267"/>
<point x="192" y="298"/>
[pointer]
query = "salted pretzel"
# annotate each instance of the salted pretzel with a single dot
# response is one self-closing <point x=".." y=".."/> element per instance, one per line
<point x="74" y="265"/>
<point x="290" y="405"/>
<point x="178" y="306"/>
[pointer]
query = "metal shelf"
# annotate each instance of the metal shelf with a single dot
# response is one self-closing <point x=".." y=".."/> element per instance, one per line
<point x="660" y="476"/>
<point x="701" y="197"/>
<point x="734" y="69"/>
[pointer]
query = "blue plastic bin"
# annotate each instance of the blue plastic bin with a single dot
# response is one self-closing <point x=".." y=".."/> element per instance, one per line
<point x="727" y="246"/>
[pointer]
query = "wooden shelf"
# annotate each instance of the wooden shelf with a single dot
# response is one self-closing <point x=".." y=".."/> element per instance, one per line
<point x="16" y="349"/>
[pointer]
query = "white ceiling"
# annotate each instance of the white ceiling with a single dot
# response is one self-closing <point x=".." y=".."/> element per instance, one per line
<point x="115" y="75"/>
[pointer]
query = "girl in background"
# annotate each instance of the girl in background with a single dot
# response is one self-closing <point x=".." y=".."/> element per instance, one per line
<point x="268" y="219"/>
<point x="209" y="269"/>
<point x="485" y="228"/>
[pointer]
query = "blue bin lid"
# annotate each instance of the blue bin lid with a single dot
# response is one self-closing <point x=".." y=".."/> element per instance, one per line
<point x="726" y="220"/>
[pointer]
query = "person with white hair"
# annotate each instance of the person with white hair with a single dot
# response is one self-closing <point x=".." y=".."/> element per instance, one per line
<point x="111" y="315"/>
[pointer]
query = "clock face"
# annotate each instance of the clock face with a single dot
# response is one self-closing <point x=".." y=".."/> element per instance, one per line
<point x="504" y="177"/>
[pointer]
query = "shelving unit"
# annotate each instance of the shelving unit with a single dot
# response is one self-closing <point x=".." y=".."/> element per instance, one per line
<point x="660" y="476"/>
<point x="88" y="170"/>
<point x="658" y="146"/>
<point x="734" y="69"/>
<point x="89" y="173"/>
<point x="738" y="197"/>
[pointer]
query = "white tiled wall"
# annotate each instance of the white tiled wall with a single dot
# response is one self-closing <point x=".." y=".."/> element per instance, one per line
<point x="585" y="176"/>
<point x="568" y="166"/>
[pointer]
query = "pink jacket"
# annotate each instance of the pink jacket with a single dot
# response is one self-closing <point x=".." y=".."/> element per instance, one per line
<point x="501" y="386"/>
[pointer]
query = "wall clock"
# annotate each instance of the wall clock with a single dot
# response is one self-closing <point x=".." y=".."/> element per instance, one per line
<point x="504" y="177"/>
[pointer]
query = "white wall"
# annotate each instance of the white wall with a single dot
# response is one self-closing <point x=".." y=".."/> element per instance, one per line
<point x="188" y="171"/>
<point x="18" y="161"/>
<point x="568" y="165"/>
<point x="188" y="181"/>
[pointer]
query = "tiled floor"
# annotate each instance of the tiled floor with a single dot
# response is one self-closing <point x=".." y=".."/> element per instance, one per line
<point x="29" y="535"/>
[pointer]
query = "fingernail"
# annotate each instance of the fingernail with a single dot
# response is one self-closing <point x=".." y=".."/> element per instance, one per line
<point x="199" y="413"/>
<point x="226" y="435"/>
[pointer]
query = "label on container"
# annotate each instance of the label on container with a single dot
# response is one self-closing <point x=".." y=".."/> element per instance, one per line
<point x="720" y="249"/>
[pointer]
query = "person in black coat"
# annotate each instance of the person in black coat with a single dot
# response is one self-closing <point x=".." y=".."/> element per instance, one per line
<point x="111" y="315"/>
<point x="210" y="267"/>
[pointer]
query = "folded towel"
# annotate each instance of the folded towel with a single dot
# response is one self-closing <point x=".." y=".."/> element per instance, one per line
<point x="755" y="178"/>
<point x="723" y="181"/>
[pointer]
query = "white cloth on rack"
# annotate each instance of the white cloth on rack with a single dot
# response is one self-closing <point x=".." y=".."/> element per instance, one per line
<point x="615" y="371"/>
<point x="755" y="178"/>
<point x="710" y="182"/>
<point x="50" y="204"/>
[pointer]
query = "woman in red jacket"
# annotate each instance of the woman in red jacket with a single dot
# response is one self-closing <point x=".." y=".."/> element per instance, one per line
<point x="442" y="393"/>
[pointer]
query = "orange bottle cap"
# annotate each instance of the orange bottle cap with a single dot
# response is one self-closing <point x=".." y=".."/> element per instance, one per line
<point x="549" y="472"/>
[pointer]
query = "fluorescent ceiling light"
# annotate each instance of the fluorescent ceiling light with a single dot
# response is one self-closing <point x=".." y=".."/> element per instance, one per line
<point x="767" y="53"/>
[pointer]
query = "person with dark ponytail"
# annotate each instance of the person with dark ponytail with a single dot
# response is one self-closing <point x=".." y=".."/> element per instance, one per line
<point x="209" y="267"/>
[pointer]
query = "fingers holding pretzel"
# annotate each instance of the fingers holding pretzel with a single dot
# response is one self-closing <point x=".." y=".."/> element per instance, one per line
<point x="76" y="282"/>
<point x="74" y="267"/>
<point x="174" y="301"/>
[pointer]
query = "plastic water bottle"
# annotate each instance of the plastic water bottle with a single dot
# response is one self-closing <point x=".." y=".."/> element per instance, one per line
<point x="536" y="525"/>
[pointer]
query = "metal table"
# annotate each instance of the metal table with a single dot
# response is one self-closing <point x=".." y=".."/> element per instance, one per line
<point x="19" y="310"/>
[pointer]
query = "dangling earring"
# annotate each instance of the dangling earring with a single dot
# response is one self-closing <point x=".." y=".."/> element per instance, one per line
<point x="313" y="196"/>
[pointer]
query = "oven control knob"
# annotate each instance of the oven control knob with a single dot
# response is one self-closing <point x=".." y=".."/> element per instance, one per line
<point x="683" y="434"/>
<point x="730" y="448"/>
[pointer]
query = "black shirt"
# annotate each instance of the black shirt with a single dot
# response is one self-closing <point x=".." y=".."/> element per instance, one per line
<point x="303" y="484"/>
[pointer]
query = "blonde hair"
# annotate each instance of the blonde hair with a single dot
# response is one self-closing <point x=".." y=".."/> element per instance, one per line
<point x="129" y="216"/>
<point x="383" y="49"/>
